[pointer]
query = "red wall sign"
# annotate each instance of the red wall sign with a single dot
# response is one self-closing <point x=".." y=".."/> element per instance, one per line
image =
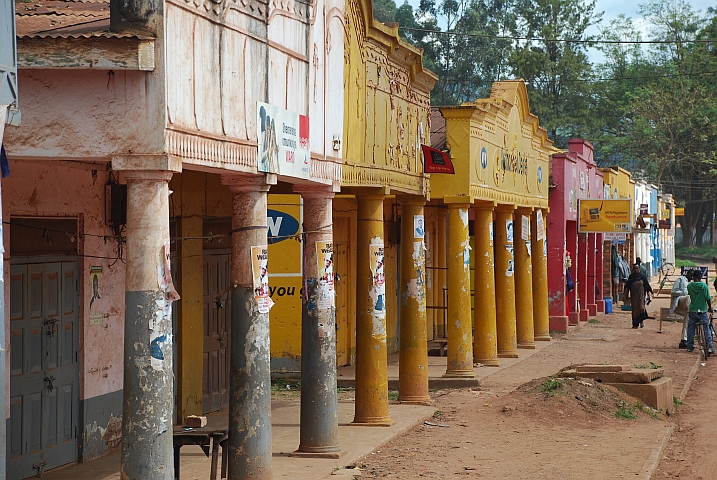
<point x="435" y="161"/>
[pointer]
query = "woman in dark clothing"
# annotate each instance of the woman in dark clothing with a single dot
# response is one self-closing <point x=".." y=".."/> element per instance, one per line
<point x="635" y="289"/>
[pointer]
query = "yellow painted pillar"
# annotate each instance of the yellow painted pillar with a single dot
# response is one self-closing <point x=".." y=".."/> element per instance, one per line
<point x="541" y="317"/>
<point x="485" y="344"/>
<point x="413" y="355"/>
<point x="190" y="307"/>
<point x="523" y="279"/>
<point x="371" y="357"/>
<point x="504" y="282"/>
<point x="460" y="341"/>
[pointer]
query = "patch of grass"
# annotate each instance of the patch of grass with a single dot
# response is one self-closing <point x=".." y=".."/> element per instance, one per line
<point x="344" y="389"/>
<point x="593" y="321"/>
<point x="393" y="395"/>
<point x="650" y="366"/>
<point x="279" y="385"/>
<point x="654" y="414"/>
<point x="705" y="252"/>
<point x="676" y="401"/>
<point x="437" y="414"/>
<point x="550" y="385"/>
<point x="684" y="263"/>
<point x="625" y="411"/>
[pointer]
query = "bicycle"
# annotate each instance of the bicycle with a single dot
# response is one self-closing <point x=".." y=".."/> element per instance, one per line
<point x="666" y="269"/>
<point x="701" y="335"/>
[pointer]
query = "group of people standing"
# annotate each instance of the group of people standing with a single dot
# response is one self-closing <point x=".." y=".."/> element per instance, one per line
<point x="691" y="298"/>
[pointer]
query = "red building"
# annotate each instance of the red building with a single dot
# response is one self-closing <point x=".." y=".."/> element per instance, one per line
<point x="574" y="176"/>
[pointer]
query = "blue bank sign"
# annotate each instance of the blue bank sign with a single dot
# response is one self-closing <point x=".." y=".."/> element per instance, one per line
<point x="281" y="225"/>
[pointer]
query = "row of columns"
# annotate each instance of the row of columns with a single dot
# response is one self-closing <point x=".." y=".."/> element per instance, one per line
<point x="509" y="318"/>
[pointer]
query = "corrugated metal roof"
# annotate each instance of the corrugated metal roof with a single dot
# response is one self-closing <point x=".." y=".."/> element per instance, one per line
<point x="66" y="19"/>
<point x="438" y="129"/>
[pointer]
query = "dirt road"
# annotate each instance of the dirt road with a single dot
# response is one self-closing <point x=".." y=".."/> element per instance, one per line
<point x="574" y="432"/>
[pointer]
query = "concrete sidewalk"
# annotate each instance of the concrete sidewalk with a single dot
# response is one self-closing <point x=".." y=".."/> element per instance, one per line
<point x="356" y="442"/>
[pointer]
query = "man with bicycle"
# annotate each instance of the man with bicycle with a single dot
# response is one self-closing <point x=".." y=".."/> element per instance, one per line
<point x="700" y="304"/>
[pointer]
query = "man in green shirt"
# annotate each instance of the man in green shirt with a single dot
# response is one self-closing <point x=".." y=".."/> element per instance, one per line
<point x="700" y="304"/>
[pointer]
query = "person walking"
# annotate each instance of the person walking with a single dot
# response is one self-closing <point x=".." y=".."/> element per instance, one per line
<point x="636" y="288"/>
<point x="680" y="303"/>
<point x="700" y="304"/>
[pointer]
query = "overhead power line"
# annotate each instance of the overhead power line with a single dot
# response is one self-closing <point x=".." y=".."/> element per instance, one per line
<point x="556" y="40"/>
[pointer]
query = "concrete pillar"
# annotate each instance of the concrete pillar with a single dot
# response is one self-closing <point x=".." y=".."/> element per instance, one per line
<point x="249" y="443"/>
<point x="557" y="243"/>
<point x="525" y="330"/>
<point x="581" y="283"/>
<point x="599" y="274"/>
<point x="591" y="306"/>
<point x="505" y="282"/>
<point x="319" y="434"/>
<point x="371" y="356"/>
<point x="485" y="344"/>
<point x="541" y="317"/>
<point x="460" y="339"/>
<point x="147" y="446"/>
<point x="3" y="373"/>
<point x="413" y="353"/>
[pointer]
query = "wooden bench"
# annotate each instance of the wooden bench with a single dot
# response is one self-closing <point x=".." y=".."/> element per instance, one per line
<point x="203" y="437"/>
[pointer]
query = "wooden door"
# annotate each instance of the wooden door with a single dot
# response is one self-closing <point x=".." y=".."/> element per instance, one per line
<point x="44" y="376"/>
<point x="217" y="313"/>
<point x="343" y="337"/>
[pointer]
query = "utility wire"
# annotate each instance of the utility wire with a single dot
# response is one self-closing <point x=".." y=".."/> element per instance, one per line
<point x="555" y="40"/>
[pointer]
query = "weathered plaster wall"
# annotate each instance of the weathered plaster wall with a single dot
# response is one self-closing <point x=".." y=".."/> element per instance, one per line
<point x="94" y="114"/>
<point x="56" y="189"/>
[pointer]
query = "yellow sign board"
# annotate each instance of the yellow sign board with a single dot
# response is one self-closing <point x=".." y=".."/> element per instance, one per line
<point x="679" y="211"/>
<point x="605" y="216"/>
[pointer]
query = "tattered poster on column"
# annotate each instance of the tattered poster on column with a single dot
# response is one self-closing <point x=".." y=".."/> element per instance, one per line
<point x="260" y="275"/>
<point x="161" y="324"/>
<point x="540" y="225"/>
<point x="325" y="269"/>
<point x="378" y="297"/>
<point x="525" y="232"/>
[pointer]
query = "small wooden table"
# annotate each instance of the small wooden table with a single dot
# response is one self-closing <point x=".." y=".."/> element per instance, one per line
<point x="204" y="437"/>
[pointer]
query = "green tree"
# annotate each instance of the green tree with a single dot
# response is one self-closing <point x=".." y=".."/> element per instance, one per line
<point x="551" y="55"/>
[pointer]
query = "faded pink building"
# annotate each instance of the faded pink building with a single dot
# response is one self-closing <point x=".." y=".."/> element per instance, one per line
<point x="574" y="176"/>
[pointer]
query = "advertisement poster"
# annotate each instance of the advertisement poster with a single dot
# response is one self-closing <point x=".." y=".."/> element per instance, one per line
<point x="605" y="216"/>
<point x="283" y="139"/>
<point x="418" y="230"/>
<point x="260" y="274"/>
<point x="540" y="224"/>
<point x="511" y="262"/>
<point x="509" y="231"/>
<point x="95" y="277"/>
<point x="490" y="230"/>
<point x="615" y="237"/>
<point x="525" y="228"/>
<point x="325" y="259"/>
<point x="379" y="279"/>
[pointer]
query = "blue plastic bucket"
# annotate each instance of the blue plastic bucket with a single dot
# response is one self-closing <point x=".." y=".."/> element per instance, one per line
<point x="608" y="305"/>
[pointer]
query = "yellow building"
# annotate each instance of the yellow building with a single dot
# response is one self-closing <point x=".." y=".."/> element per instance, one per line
<point x="500" y="192"/>
<point x="618" y="184"/>
<point x="387" y="103"/>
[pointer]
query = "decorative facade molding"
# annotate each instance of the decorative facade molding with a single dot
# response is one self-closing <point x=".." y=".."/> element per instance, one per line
<point x="205" y="150"/>
<point x="362" y="175"/>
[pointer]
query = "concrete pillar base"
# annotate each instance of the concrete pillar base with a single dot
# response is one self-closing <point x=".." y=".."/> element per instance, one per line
<point x="460" y="374"/>
<point x="382" y="422"/>
<point x="600" y="306"/>
<point x="489" y="362"/>
<point x="508" y="355"/>
<point x="559" y="323"/>
<point x="334" y="455"/>
<point x="573" y="318"/>
<point x="592" y="310"/>
<point x="426" y="401"/>
<point x="544" y="338"/>
<point x="527" y="346"/>
<point x="584" y="315"/>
